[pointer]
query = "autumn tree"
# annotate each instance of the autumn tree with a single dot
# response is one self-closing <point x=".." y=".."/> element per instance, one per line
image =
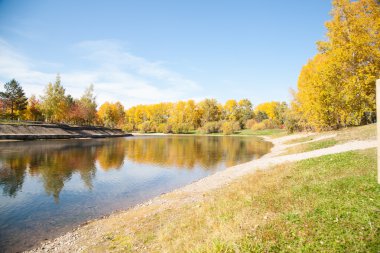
<point x="245" y="111"/>
<point x="231" y="110"/>
<point x="210" y="110"/>
<point x="184" y="117"/>
<point x="3" y="108"/>
<point x="111" y="114"/>
<point x="83" y="111"/>
<point x="33" y="110"/>
<point x="272" y="110"/>
<point x="337" y="87"/>
<point x="88" y="105"/>
<point x="14" y="98"/>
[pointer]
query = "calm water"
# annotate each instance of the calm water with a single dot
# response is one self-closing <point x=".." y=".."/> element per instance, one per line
<point x="50" y="186"/>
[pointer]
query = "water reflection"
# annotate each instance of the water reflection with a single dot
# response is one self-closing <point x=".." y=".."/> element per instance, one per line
<point x="188" y="152"/>
<point x="56" y="161"/>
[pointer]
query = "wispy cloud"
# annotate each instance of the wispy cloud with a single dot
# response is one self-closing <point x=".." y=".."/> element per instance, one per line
<point x="116" y="74"/>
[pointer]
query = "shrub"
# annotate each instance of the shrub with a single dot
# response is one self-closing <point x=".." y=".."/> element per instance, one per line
<point x="266" y="124"/>
<point x="249" y="124"/>
<point x="292" y="122"/>
<point x="212" y="127"/>
<point x="164" y="128"/>
<point x="181" y="128"/>
<point x="230" y="127"/>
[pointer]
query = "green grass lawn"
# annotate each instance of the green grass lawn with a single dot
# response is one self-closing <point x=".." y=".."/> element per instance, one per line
<point x="325" y="204"/>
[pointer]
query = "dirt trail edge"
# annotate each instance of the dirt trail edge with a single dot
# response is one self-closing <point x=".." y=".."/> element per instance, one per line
<point x="90" y="234"/>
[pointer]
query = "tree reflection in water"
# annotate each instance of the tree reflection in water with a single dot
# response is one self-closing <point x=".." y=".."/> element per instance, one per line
<point x="55" y="162"/>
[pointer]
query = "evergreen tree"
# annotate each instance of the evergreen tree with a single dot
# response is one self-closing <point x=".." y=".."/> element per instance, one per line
<point x="14" y="98"/>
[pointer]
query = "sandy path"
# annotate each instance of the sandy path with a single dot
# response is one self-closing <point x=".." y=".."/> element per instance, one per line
<point x="89" y="235"/>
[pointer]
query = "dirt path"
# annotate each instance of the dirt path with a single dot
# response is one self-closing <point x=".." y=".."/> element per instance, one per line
<point x="88" y="236"/>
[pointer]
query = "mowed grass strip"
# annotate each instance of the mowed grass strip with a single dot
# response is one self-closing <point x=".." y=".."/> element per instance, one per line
<point x="325" y="204"/>
<point x="310" y="146"/>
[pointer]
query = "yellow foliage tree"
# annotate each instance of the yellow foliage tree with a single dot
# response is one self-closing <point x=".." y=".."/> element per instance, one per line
<point x="269" y="108"/>
<point x="337" y="87"/>
<point x="111" y="114"/>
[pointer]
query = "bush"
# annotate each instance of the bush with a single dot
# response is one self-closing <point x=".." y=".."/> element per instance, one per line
<point x="211" y="127"/>
<point x="164" y="128"/>
<point x="266" y="124"/>
<point x="230" y="127"/>
<point x="182" y="128"/>
<point x="292" y="122"/>
<point x="249" y="124"/>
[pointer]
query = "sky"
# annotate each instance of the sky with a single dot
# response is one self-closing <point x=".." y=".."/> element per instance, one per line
<point x="143" y="52"/>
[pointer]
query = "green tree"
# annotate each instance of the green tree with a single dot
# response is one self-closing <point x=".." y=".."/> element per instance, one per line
<point x="14" y="98"/>
<point x="245" y="111"/>
<point x="54" y="103"/>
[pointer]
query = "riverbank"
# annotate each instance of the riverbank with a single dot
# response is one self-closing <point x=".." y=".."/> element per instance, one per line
<point x="55" y="131"/>
<point x="244" y="132"/>
<point x="328" y="201"/>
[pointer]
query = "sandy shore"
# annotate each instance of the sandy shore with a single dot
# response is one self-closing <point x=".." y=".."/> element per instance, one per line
<point x="89" y="235"/>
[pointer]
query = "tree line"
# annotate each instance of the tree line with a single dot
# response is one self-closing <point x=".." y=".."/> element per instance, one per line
<point x="53" y="106"/>
<point x="335" y="89"/>
<point x="208" y="115"/>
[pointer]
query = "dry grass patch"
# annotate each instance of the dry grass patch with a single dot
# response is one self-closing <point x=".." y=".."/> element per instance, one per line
<point x="301" y="139"/>
<point x="342" y="136"/>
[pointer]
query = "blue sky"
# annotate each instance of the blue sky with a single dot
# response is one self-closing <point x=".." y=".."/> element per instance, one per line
<point x="150" y="51"/>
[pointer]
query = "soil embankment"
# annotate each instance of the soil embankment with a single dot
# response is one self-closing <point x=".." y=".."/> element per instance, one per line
<point x="55" y="131"/>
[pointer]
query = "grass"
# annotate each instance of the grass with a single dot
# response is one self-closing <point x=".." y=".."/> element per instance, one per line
<point x="306" y="147"/>
<point x="300" y="140"/>
<point x="357" y="133"/>
<point x="342" y="136"/>
<point x="325" y="204"/>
